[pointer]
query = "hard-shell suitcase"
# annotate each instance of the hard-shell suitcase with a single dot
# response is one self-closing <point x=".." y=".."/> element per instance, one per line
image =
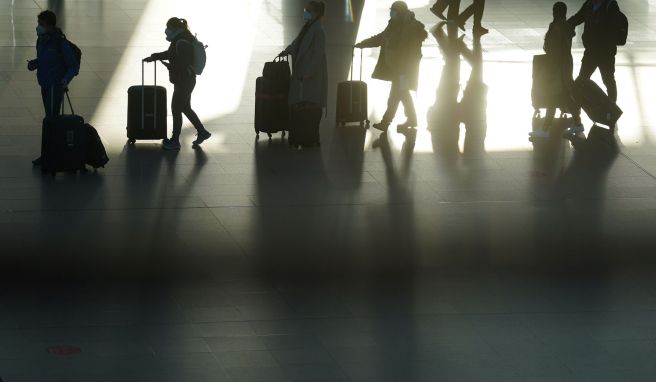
<point x="271" y="109"/>
<point x="594" y="101"/>
<point x="547" y="89"/>
<point x="146" y="110"/>
<point x="352" y="99"/>
<point x="304" y="125"/>
<point x="63" y="143"/>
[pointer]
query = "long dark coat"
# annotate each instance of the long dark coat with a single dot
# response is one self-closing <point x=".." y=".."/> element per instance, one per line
<point x="309" y="61"/>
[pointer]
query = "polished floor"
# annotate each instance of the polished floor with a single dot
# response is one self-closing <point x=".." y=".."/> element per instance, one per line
<point x="463" y="252"/>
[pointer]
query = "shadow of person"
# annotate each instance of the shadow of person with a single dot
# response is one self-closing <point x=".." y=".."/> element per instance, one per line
<point x="293" y="213"/>
<point x="473" y="106"/>
<point x="393" y="258"/>
<point x="345" y="160"/>
<point x="576" y="221"/>
<point x="443" y="118"/>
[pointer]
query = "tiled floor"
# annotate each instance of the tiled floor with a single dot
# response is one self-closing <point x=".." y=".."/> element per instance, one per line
<point x="464" y="253"/>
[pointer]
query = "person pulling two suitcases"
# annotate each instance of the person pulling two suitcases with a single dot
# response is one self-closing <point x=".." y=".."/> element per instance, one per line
<point x="182" y="74"/>
<point x="308" y="88"/>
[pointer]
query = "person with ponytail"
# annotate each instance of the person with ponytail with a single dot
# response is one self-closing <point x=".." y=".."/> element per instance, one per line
<point x="309" y="82"/>
<point x="180" y="57"/>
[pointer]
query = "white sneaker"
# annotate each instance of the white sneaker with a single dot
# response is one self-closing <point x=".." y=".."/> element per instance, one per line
<point x="539" y="134"/>
<point x="573" y="130"/>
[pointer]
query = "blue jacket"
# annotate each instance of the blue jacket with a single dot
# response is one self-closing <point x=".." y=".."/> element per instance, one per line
<point x="55" y="59"/>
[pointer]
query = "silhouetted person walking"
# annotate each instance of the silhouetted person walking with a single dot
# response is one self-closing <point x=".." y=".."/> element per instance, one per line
<point x="309" y="82"/>
<point x="441" y="5"/>
<point x="398" y="62"/>
<point x="600" y="46"/>
<point x="558" y="47"/>
<point x="56" y="64"/>
<point x="182" y="75"/>
<point x="476" y="9"/>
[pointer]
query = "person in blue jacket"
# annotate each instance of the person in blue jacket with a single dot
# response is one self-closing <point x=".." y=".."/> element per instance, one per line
<point x="56" y="64"/>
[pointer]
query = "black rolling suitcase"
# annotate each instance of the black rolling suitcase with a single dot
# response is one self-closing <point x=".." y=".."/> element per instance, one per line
<point x="63" y="143"/>
<point x="271" y="92"/>
<point x="547" y="88"/>
<point x="304" y="125"/>
<point x="352" y="99"/>
<point x="594" y="101"/>
<point x="146" y="110"/>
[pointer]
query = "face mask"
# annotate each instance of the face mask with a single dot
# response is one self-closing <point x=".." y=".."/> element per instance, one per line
<point x="307" y="16"/>
<point x="40" y="30"/>
<point x="393" y="14"/>
<point x="169" y="34"/>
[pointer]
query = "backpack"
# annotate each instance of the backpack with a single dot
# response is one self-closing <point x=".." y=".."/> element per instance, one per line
<point x="96" y="156"/>
<point x="77" y="52"/>
<point x="620" y="27"/>
<point x="200" y="56"/>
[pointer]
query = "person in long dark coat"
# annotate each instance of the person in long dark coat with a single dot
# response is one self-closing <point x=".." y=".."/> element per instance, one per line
<point x="398" y="62"/>
<point x="309" y="82"/>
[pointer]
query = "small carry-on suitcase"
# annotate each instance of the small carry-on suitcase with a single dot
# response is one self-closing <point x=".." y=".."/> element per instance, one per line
<point x="547" y="89"/>
<point x="352" y="99"/>
<point x="146" y="110"/>
<point x="271" y="92"/>
<point x="594" y="101"/>
<point x="304" y="125"/>
<point x="63" y="142"/>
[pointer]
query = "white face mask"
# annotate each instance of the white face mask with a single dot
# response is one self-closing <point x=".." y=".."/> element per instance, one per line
<point x="307" y="16"/>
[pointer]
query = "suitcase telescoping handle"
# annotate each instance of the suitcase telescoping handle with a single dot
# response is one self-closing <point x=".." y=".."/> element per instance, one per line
<point x="143" y="97"/>
<point x="63" y="105"/>
<point x="353" y="62"/>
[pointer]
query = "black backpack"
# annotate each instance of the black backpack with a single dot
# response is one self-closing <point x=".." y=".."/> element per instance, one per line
<point x="77" y="52"/>
<point x="620" y="25"/>
<point x="96" y="156"/>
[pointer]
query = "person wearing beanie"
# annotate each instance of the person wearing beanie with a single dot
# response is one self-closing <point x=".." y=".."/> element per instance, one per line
<point x="399" y="59"/>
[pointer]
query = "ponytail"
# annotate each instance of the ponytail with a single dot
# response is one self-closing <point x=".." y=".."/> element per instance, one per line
<point x="176" y="23"/>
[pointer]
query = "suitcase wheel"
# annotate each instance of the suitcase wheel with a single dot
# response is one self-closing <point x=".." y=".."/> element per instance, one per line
<point x="131" y="141"/>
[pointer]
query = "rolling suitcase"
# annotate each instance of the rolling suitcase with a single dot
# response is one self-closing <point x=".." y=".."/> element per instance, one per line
<point x="352" y="99"/>
<point x="594" y="101"/>
<point x="271" y="109"/>
<point x="63" y="142"/>
<point x="271" y="91"/>
<point x="547" y="88"/>
<point x="304" y="125"/>
<point x="146" y="110"/>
